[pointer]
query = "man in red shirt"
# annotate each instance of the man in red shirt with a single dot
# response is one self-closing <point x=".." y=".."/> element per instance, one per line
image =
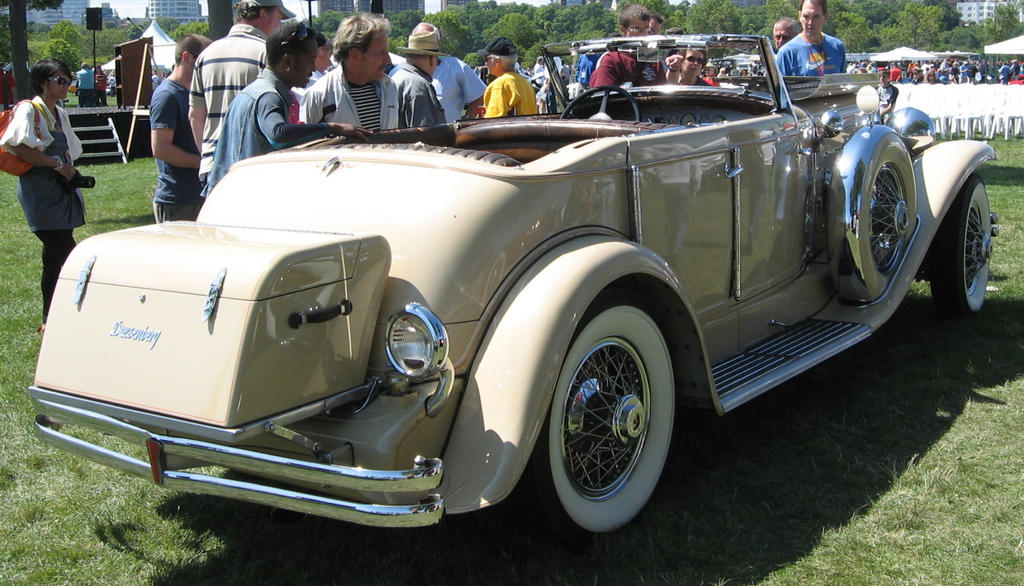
<point x="620" y="68"/>
<point x="101" y="87"/>
<point x="895" y="73"/>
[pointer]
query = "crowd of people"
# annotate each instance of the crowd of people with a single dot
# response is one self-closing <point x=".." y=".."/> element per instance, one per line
<point x="269" y="84"/>
<point x="949" y="70"/>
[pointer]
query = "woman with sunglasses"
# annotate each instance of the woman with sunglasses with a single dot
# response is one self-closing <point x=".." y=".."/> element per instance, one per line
<point x="40" y="133"/>
<point x="257" y="121"/>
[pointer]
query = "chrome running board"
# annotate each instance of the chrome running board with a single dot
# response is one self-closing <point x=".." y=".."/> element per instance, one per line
<point x="750" y="373"/>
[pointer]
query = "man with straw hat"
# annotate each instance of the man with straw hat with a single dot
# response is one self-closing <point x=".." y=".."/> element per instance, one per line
<point x="417" y="100"/>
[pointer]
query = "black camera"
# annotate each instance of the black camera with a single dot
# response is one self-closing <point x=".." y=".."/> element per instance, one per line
<point x="79" y="180"/>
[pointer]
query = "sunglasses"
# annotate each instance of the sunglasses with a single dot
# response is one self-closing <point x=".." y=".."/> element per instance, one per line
<point x="59" y="80"/>
<point x="693" y="59"/>
<point x="301" y="33"/>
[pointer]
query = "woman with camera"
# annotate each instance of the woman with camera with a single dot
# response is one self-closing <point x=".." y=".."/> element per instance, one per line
<point x="40" y="133"/>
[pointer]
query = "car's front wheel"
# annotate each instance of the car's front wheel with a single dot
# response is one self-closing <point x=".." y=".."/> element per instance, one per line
<point x="959" y="262"/>
<point x="609" y="428"/>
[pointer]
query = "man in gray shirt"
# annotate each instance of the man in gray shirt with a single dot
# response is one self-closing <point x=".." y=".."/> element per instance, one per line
<point x="417" y="100"/>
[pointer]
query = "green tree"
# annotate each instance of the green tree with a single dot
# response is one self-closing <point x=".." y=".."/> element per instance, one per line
<point x="661" y="7"/>
<point x="403" y="23"/>
<point x="917" y="26"/>
<point x="878" y="13"/>
<point x="713" y="16"/>
<point x="575" y="22"/>
<point x="328" y="22"/>
<point x="65" y="51"/>
<point x="454" y="34"/>
<point x="853" y="29"/>
<point x="68" y="32"/>
<point x="1004" y="23"/>
<point x="5" y="40"/>
<point x="168" y="24"/>
<point x="478" y="18"/>
<point x="196" y="28"/>
<point x="776" y="9"/>
<point x="965" y="38"/>
<point x="950" y="15"/>
<point x="753" y="19"/>
<point x="517" y="27"/>
<point x="17" y="10"/>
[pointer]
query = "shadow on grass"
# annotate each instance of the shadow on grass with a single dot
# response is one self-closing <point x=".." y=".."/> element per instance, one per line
<point x="120" y="221"/>
<point x="741" y="496"/>
<point x="1005" y="175"/>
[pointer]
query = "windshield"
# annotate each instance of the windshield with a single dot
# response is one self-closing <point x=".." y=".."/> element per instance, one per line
<point x="729" y="64"/>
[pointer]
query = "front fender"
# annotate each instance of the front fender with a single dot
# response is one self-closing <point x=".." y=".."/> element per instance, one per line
<point x="511" y="380"/>
<point x="942" y="170"/>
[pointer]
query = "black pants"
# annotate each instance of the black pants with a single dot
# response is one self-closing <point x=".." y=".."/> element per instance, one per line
<point x="57" y="245"/>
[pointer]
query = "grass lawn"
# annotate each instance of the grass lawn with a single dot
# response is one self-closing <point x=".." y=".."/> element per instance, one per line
<point x="900" y="461"/>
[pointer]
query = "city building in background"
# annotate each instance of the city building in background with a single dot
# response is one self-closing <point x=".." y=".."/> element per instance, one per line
<point x="179" y="10"/>
<point x="71" y="10"/>
<point x="337" y="6"/>
<point x="392" y="6"/>
<point x="977" y="12"/>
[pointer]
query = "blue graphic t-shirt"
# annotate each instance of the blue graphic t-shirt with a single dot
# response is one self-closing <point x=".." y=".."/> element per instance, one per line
<point x="799" y="57"/>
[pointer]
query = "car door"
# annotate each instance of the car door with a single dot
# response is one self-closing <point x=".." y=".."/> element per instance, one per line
<point x="683" y="210"/>
<point x="725" y="204"/>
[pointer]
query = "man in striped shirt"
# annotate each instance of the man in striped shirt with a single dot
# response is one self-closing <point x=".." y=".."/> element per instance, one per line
<point x="226" y="67"/>
<point x="358" y="91"/>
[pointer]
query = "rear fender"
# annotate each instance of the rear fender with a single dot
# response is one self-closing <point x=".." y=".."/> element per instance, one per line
<point x="510" y="383"/>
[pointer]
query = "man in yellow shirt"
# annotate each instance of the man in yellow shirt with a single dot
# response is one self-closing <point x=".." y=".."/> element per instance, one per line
<point x="510" y="94"/>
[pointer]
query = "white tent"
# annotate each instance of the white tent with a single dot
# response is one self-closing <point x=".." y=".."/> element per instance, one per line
<point x="903" y="54"/>
<point x="163" y="49"/>
<point x="1014" y="46"/>
<point x="163" y="46"/>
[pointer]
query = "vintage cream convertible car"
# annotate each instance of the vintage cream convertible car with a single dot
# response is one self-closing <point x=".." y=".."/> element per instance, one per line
<point x="380" y="333"/>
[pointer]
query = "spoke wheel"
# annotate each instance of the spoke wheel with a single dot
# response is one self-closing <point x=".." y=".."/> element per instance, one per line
<point x="610" y="424"/>
<point x="961" y="251"/>
<point x="875" y="210"/>
<point x="889" y="218"/>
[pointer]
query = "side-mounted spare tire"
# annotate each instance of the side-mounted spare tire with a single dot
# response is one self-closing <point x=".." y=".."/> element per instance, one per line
<point x="873" y="213"/>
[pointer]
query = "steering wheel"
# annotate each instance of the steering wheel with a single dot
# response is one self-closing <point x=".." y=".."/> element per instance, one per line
<point x="602" y="113"/>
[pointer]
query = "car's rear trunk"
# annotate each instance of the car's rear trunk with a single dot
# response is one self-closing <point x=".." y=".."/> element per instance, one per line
<point x="213" y="324"/>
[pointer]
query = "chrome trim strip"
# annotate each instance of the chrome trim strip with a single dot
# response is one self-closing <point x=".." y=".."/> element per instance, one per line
<point x="425" y="475"/>
<point x="228" y="435"/>
<point x="733" y="170"/>
<point x="635" y="223"/>
<point x="422" y="514"/>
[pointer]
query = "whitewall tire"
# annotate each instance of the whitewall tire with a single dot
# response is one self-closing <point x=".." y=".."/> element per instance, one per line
<point x="610" y="424"/>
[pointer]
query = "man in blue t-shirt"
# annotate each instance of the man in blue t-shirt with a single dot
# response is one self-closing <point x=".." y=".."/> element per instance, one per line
<point x="178" y="190"/>
<point x="812" y="53"/>
<point x="86" y="86"/>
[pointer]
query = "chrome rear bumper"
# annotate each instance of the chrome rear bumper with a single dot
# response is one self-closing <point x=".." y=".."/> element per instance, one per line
<point x="423" y="477"/>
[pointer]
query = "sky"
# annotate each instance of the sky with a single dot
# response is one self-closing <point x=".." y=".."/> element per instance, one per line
<point x="137" y="8"/>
